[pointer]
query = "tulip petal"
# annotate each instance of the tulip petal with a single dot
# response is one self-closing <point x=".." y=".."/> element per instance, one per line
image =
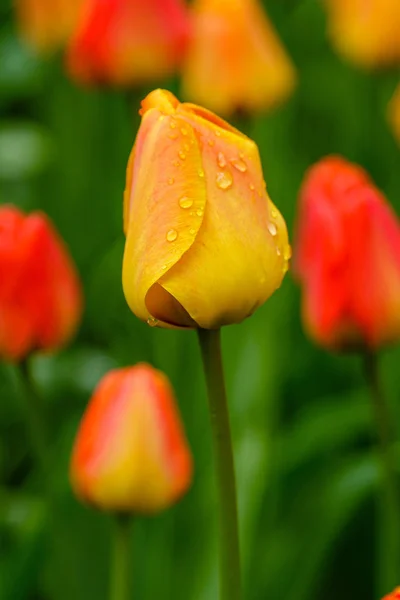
<point x="236" y="225"/>
<point x="165" y="206"/>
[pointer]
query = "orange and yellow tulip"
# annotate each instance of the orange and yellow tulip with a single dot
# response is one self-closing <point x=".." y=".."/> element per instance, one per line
<point x="205" y="246"/>
<point x="366" y="33"/>
<point x="235" y="60"/>
<point x="394" y="113"/>
<point x="130" y="453"/>
<point x="395" y="595"/>
<point x="46" y="25"/>
<point x="347" y="258"/>
<point x="128" y="42"/>
<point x="40" y="293"/>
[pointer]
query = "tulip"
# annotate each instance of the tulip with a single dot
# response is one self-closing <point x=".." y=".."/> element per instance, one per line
<point x="130" y="453"/>
<point x="394" y="595"/>
<point x="128" y="42"/>
<point x="47" y="24"/>
<point x="347" y="258"/>
<point x="394" y="113"/>
<point x="205" y="246"/>
<point x="366" y="33"/>
<point x="40" y="294"/>
<point x="235" y="61"/>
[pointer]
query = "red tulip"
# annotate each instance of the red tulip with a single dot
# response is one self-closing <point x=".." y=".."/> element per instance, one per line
<point x="347" y="258"/>
<point x="128" y="42"/>
<point x="130" y="453"/>
<point x="40" y="293"/>
<point x="394" y="595"/>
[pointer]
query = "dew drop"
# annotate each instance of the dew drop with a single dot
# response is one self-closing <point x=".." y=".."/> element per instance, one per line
<point x="171" y="181"/>
<point x="221" y="160"/>
<point x="164" y="267"/>
<point x="200" y="172"/>
<point x="272" y="229"/>
<point x="176" y="163"/>
<point x="217" y="133"/>
<point x="239" y="164"/>
<point x="211" y="143"/>
<point x="172" y="124"/>
<point x="252" y="186"/>
<point x="172" y="135"/>
<point x="199" y="212"/>
<point x="161" y="117"/>
<point x="182" y="155"/>
<point x="274" y="213"/>
<point x="185" y="202"/>
<point x="187" y="147"/>
<point x="172" y="235"/>
<point x="152" y="322"/>
<point x="224" y="180"/>
<point x="184" y="131"/>
<point x="192" y="231"/>
<point x="287" y="254"/>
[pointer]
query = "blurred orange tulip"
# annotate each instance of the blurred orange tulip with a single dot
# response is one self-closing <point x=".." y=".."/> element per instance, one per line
<point x="130" y="453"/>
<point x="366" y="33"/>
<point x="394" y="595"/>
<point x="205" y="245"/>
<point x="128" y="42"/>
<point x="40" y="294"/>
<point x="47" y="24"/>
<point x="347" y="258"/>
<point x="394" y="113"/>
<point x="235" y="61"/>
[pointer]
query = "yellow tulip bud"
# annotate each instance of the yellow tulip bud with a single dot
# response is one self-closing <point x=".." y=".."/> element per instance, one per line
<point x="205" y="246"/>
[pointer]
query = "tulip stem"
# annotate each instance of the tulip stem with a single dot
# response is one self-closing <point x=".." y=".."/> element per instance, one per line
<point x="35" y="419"/>
<point x="389" y="508"/>
<point x="230" y="584"/>
<point x="120" y="580"/>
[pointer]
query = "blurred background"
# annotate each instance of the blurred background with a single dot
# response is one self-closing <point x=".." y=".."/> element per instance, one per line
<point x="301" y="418"/>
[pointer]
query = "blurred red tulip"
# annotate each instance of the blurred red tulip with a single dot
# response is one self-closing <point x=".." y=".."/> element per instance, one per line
<point x="40" y="294"/>
<point x="235" y="61"/>
<point x="47" y="24"/>
<point x="130" y="453"/>
<point x="366" y="32"/>
<point x="394" y="595"/>
<point x="128" y="42"/>
<point x="394" y="113"/>
<point x="347" y="258"/>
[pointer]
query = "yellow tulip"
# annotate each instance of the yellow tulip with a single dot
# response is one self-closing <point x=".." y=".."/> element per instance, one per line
<point x="205" y="246"/>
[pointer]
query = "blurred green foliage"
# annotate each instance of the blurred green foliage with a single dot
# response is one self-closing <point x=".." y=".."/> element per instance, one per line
<point x="303" y="431"/>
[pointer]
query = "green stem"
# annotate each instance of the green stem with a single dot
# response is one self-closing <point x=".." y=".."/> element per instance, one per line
<point x="230" y="583"/>
<point x="389" y="522"/>
<point x="120" y="560"/>
<point x="35" y="419"/>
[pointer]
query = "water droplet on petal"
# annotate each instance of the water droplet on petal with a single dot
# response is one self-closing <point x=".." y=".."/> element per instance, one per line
<point x="161" y="117"/>
<point x="172" y="235"/>
<point x="201" y="173"/>
<point x="176" y="163"/>
<point x="239" y="164"/>
<point x="272" y="229"/>
<point x="172" y="135"/>
<point x="252" y="186"/>
<point x="217" y="133"/>
<point x="221" y="160"/>
<point x="187" y="147"/>
<point x="199" y="212"/>
<point x="152" y="322"/>
<point x="184" y="131"/>
<point x="224" y="180"/>
<point x="164" y="267"/>
<point x="287" y="254"/>
<point x="182" y="155"/>
<point x="192" y="231"/>
<point x="211" y="143"/>
<point x="171" y="181"/>
<point x="278" y="251"/>
<point x="185" y="202"/>
<point x="172" y="124"/>
<point x="274" y="213"/>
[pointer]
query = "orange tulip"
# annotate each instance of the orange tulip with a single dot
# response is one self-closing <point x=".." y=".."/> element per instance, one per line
<point x="128" y="42"/>
<point x="205" y="245"/>
<point x="394" y="595"/>
<point x="130" y="453"/>
<point x="40" y="294"/>
<point x="47" y="24"/>
<point x="394" y="113"/>
<point x="347" y="258"/>
<point x="235" y="60"/>
<point x="366" y="33"/>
